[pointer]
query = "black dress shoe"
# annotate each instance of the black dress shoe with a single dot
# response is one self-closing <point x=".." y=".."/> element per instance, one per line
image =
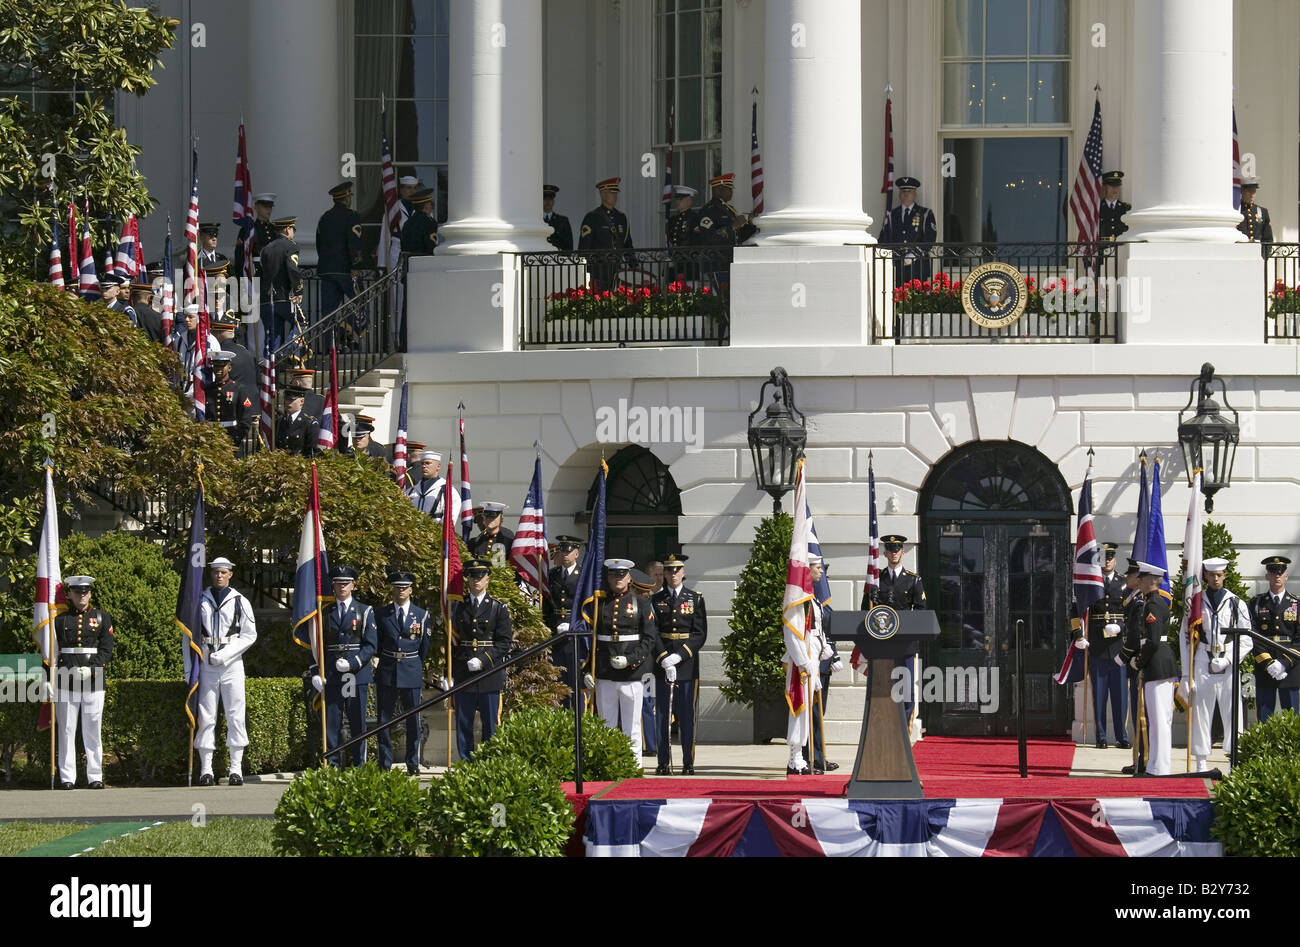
<point x="207" y="780"/>
<point x="412" y="772"/>
<point x="97" y="784"/>
<point x="1101" y="744"/>
<point x="1124" y="744"/>
<point x="831" y="766"/>
<point x="1128" y="771"/>
<point x="818" y="771"/>
<point x="235" y="780"/>
<point x="67" y="786"/>
<point x="791" y="771"/>
<point x="688" y="770"/>
<point x="663" y="769"/>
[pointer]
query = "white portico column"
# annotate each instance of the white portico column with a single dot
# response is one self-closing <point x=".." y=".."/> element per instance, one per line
<point x="1187" y="273"/>
<point x="495" y="173"/>
<point x="812" y="140"/>
<point x="293" y="119"/>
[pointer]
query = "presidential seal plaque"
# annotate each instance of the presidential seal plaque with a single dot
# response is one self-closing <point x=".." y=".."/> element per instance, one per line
<point x="994" y="295"/>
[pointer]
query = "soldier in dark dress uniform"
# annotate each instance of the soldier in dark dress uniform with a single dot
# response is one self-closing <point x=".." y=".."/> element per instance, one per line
<point x="679" y="230"/>
<point x="338" y="249"/>
<point x="902" y="590"/>
<point x="558" y="609"/>
<point x="1112" y="210"/>
<point x="1255" y="222"/>
<point x="403" y="648"/>
<point x="481" y="639"/>
<point x="263" y="233"/>
<point x="304" y="378"/>
<point x="626" y="640"/>
<point x="243" y="370"/>
<point x="683" y="627"/>
<point x="719" y="225"/>
<point x="351" y="640"/>
<point x="494" y="540"/>
<point x="148" y="319"/>
<point x="561" y="230"/>
<point x="281" y="282"/>
<point x="605" y="228"/>
<point x="229" y="403"/>
<point x="910" y="223"/>
<point x="84" y="639"/>
<point x="420" y="232"/>
<point x="1104" y="642"/>
<point x="1275" y="615"/>
<point x="209" y="256"/>
<point x="363" y="443"/>
<point x="1134" y="607"/>
<point x="1151" y="639"/>
<point x="296" y="430"/>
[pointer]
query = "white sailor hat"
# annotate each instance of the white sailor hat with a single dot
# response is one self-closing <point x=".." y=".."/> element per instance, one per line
<point x="221" y="562"/>
<point x="1214" y="565"/>
<point x="1146" y="568"/>
<point x="192" y="309"/>
<point x="430" y="455"/>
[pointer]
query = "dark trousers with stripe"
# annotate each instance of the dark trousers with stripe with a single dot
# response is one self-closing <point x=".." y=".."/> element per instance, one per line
<point x="488" y="708"/>
<point x="392" y="701"/>
<point x="354" y="708"/>
<point x="1266" y="698"/>
<point x="563" y="657"/>
<point x="1133" y="686"/>
<point x="685" y="696"/>
<point x="1108" y="684"/>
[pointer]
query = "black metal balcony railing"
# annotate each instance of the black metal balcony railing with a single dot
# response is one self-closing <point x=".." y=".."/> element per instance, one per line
<point x="603" y="298"/>
<point x="1282" y="292"/>
<point x="1073" y="292"/>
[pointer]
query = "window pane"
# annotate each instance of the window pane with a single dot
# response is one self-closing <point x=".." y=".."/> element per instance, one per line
<point x="1005" y="94"/>
<point x="668" y="61"/>
<point x="688" y="110"/>
<point x="1048" y="92"/>
<point x="1007" y="189"/>
<point x="365" y="118"/>
<point x="422" y="16"/>
<point x="688" y="32"/>
<point x="713" y="42"/>
<point x="441" y="67"/>
<point x="713" y="108"/>
<point x="405" y="53"/>
<point x="1007" y="28"/>
<point x="972" y="595"/>
<point x="1049" y="28"/>
<point x="373" y="66"/>
<point x="962" y="102"/>
<point x="963" y="28"/>
<point x="973" y="554"/>
<point x="373" y="16"/>
<point x="949" y="554"/>
<point x="425" y="54"/>
<point x="693" y="169"/>
<point x="688" y="4"/>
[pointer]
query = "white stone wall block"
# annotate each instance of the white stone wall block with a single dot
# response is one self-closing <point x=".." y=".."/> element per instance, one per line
<point x="650" y="393"/>
<point x="557" y="440"/>
<point x="502" y="431"/>
<point x="828" y="463"/>
<point x="993" y="398"/>
<point x="1275" y="392"/>
<point x="1092" y="392"/>
<point x="534" y="397"/>
<point x="1061" y="436"/>
<point x="578" y="411"/>
<point x="1115" y="427"/>
<point x="1032" y="412"/>
<point x="709" y="394"/>
<point x="439" y="400"/>
<point x="706" y="466"/>
<point x="894" y="393"/>
<point x="1277" y="463"/>
<point x="858" y="428"/>
<point x="894" y="466"/>
<point x="953" y="410"/>
<point x="926" y="437"/>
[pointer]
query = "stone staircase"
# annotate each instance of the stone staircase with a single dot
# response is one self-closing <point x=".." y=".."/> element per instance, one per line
<point x="377" y="394"/>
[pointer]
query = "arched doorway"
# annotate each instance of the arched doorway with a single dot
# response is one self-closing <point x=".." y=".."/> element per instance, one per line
<point x="642" y="504"/>
<point x="995" y="549"/>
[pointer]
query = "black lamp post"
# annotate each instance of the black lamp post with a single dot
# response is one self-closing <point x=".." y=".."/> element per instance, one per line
<point x="1209" y="439"/>
<point x="777" y="440"/>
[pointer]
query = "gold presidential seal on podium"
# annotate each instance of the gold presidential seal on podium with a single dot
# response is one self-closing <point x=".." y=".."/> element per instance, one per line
<point x="994" y="295"/>
<point x="882" y="622"/>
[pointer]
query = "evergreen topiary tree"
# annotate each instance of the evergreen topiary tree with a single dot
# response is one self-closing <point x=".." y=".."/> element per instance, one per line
<point x="752" y="650"/>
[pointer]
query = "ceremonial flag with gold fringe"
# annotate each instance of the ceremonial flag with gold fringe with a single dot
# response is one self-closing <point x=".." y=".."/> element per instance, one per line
<point x="50" y="601"/>
<point x="798" y="593"/>
<point x="187" y="608"/>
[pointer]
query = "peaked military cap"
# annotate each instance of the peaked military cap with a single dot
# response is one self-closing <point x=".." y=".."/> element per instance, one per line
<point x="619" y="565"/>
<point x="609" y="184"/>
<point x="209" y="227"/>
<point x="1275" y="564"/>
<point x="398" y="577"/>
<point x="423" y="196"/>
<point x="906" y="182"/>
<point x="549" y="190"/>
<point x="1134" y="567"/>
<point x="223" y="356"/>
<point x="893" y="539"/>
<point x="1146" y="568"/>
<point x="1110" y="549"/>
<point x="338" y="190"/>
<point x="571" y="542"/>
<point x="674" y="559"/>
<point x="343" y="574"/>
<point x="1113" y="178"/>
<point x="478" y="567"/>
<point x="723" y="180"/>
<point x="284" y="223"/>
<point x="266" y="197"/>
<point x="1249" y="183"/>
<point x="78" y="582"/>
<point x="493" y="508"/>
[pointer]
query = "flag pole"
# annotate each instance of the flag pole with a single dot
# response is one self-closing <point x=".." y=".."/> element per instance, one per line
<point x="1087" y="680"/>
<point x="1190" y="671"/>
<point x="50" y="596"/>
<point x="446" y="604"/>
<point x="319" y="643"/>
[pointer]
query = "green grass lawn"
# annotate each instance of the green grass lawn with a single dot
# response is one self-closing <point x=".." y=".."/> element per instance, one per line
<point x="17" y="837"/>
<point x="220" y="837"/>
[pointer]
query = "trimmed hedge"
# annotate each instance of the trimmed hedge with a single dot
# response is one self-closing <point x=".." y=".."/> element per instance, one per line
<point x="1256" y="808"/>
<point x="360" y="810"/>
<point x="1278" y="736"/>
<point x="544" y="737"/>
<point x="498" y="806"/>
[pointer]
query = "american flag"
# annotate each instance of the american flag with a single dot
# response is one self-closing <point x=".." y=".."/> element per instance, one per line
<point x="399" y="445"/>
<point x="1085" y="199"/>
<point x="201" y="347"/>
<point x="466" y="503"/>
<point x="755" y="165"/>
<point x="529" y="552"/>
<point x="668" y="167"/>
<point x="191" y="291"/>
<point x="74" y="257"/>
<point x="126" y="263"/>
<point x="393" y="210"/>
<point x="1236" y="164"/>
<point x="887" y="182"/>
<point x="858" y="661"/>
<point x="266" y="395"/>
<point x="89" y="283"/>
<point x="56" y="257"/>
<point x="1089" y="586"/>
<point x="328" y="439"/>
<point x="169" y="286"/>
<point x="242" y="210"/>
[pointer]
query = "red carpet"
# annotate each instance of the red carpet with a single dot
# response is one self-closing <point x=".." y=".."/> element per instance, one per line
<point x="985" y="757"/>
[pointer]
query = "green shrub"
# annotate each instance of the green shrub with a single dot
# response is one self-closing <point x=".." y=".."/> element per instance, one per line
<point x="1276" y="737"/>
<point x="1256" y="808"/>
<point x="360" y="810"/>
<point x="543" y="736"/>
<point x="752" y="650"/>
<point x="498" y="806"/>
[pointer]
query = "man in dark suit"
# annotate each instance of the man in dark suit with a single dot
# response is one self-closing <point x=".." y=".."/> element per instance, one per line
<point x="605" y="228"/>
<point x="903" y="590"/>
<point x="148" y="318"/>
<point x="351" y="640"/>
<point x="561" y="231"/>
<point x="683" y="625"/>
<point x="913" y="225"/>
<point x="1150" y="638"/>
<point x="482" y="639"/>
<point x="1103" y="641"/>
<point x="403" y="648"/>
<point x="1255" y="222"/>
<point x="558" y="609"/>
<point x="1275" y="614"/>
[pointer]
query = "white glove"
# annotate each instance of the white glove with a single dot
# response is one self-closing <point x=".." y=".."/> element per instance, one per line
<point x="317" y="683"/>
<point x="47" y="691"/>
<point x="817" y="682"/>
<point x="374" y="662"/>
<point x="217" y="659"/>
<point x="474" y="664"/>
<point x="670" y="673"/>
<point x="1218" y="664"/>
<point x="562" y="626"/>
<point x="1119" y="660"/>
<point x="1111" y="630"/>
<point x="813" y="668"/>
<point x="670" y="662"/>
<point x="1277" y="670"/>
<point x="588" y="682"/>
<point x="1184" y="691"/>
<point x="84" y="673"/>
<point x="618" y="662"/>
<point x="837" y="666"/>
<point x="342" y="665"/>
<point x="1081" y="643"/>
<point x="1133" y="663"/>
<point x="827" y="654"/>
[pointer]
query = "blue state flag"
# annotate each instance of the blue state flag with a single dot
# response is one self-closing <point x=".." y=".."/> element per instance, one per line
<point x="1143" y="514"/>
<point x="1156" y="553"/>
<point x="588" y="593"/>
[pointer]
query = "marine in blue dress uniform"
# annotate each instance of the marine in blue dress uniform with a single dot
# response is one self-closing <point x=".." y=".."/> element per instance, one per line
<point x="1104" y="643"/>
<point x="902" y="590"/>
<point x="403" y="648"/>
<point x="558" y="609"/>
<point x="911" y="224"/>
<point x="683" y="628"/>
<point x="351" y="640"/>
<point x="1275" y="614"/>
<point x="481" y="639"/>
<point x="494" y="540"/>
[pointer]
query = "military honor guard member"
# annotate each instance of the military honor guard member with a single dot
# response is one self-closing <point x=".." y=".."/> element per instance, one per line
<point x="403" y="648"/>
<point x="679" y="230"/>
<point x="563" y="579"/>
<point x="184" y="341"/>
<point x="412" y="476"/>
<point x="1218" y="655"/>
<point x="1255" y="222"/>
<point x="561" y="230"/>
<point x="114" y="292"/>
<point x="209" y="256"/>
<point x="420" y="232"/>
<point x="493" y="541"/>
<point x="802" y="661"/>
<point x="429" y="492"/>
<point x="263" y="233"/>
<point x="1112" y="210"/>
<point x="718" y="224"/>
<point x="148" y="318"/>
<point x="351" y="640"/>
<point x="482" y="637"/>
<point x="243" y="370"/>
<point x="338" y="249"/>
<point x="625" y="640"/>
<point x="228" y="630"/>
<point x="683" y="626"/>
<point x="1103" y="640"/>
<point x="296" y="430"/>
<point x="911" y="224"/>
<point x="1134" y="607"/>
<point x="303" y="378"/>
<point x="1275" y="614"/>
<point x="644" y="585"/>
<point x="229" y="404"/>
<point x="830" y="662"/>
<point x="84" y="638"/>
<point x="282" y="284"/>
<point x="901" y="589"/>
<point x="363" y="441"/>
<point x="1151" y="640"/>
<point x="605" y="228"/>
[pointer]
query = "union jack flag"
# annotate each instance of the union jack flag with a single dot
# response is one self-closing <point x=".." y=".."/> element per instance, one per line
<point x="1085" y="199"/>
<point x="89" y="283"/>
<point x="191" y="291"/>
<point x="74" y="257"/>
<point x="127" y="261"/>
<point x="466" y="502"/>
<point x="266" y="392"/>
<point x="755" y="165"/>
<point x="242" y="211"/>
<point x="1089" y="586"/>
<point x="56" y="258"/>
<point x="399" y="445"/>
<point x="529" y="552"/>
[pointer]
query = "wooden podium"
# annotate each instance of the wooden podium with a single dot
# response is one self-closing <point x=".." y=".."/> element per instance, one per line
<point x="884" y="767"/>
